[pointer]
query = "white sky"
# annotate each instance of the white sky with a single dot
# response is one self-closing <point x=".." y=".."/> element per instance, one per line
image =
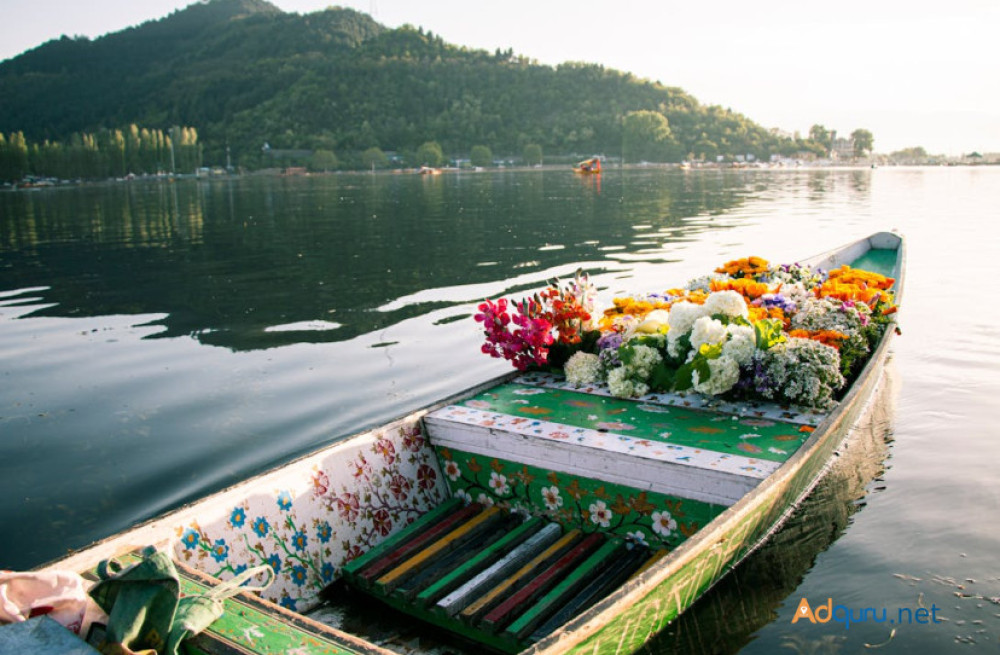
<point x="913" y="72"/>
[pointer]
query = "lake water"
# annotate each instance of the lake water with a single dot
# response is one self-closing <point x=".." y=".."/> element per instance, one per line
<point x="159" y="341"/>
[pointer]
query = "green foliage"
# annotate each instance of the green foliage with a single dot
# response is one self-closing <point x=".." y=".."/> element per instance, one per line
<point x="430" y="154"/>
<point x="481" y="156"/>
<point x="246" y="73"/>
<point x="108" y="153"/>
<point x="768" y="333"/>
<point x="374" y="158"/>
<point x="324" y="160"/>
<point x="532" y="154"/>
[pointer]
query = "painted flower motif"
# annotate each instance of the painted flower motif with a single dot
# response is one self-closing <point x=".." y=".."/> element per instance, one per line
<point x="478" y="404"/>
<point x="498" y="483"/>
<point x="413" y="440"/>
<point x="190" y="538"/>
<point x="348" y="506"/>
<point x="220" y="551"/>
<point x="553" y="500"/>
<point x="426" y="477"/>
<point x="485" y="500"/>
<point x="275" y="562"/>
<point x="324" y="532"/>
<point x="320" y="482"/>
<point x="238" y="517"/>
<point x="600" y="513"/>
<point x="285" y="501"/>
<point x="382" y="522"/>
<point x="559" y="434"/>
<point x="399" y="486"/>
<point x="300" y="540"/>
<point x="326" y="572"/>
<point x="529" y="392"/>
<point x="614" y="425"/>
<point x="637" y="538"/>
<point x="299" y="575"/>
<point x="663" y="523"/>
<point x="452" y="470"/>
<point x="352" y="553"/>
<point x="260" y="526"/>
<point x="288" y="602"/>
<point x="387" y="450"/>
<point x="464" y="496"/>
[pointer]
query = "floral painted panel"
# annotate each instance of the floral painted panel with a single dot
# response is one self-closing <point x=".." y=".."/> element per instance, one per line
<point x="308" y="519"/>
<point x="646" y="423"/>
<point x="648" y="518"/>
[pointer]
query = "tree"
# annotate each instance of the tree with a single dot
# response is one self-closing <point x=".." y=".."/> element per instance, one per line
<point x="863" y="142"/>
<point x="323" y="160"/>
<point x="822" y="136"/>
<point x="646" y="136"/>
<point x="532" y="154"/>
<point x="430" y="154"/>
<point x="374" y="158"/>
<point x="481" y="156"/>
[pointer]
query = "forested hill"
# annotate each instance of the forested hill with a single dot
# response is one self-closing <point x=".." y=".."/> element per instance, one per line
<point x="244" y="73"/>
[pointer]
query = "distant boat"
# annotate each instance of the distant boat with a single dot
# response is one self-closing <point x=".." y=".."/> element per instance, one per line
<point x="590" y="166"/>
<point x="427" y="170"/>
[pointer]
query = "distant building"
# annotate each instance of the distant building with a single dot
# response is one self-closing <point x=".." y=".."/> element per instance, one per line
<point x="840" y="148"/>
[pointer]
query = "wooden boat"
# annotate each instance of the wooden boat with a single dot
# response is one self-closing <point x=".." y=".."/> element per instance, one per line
<point x="588" y="167"/>
<point x="526" y="515"/>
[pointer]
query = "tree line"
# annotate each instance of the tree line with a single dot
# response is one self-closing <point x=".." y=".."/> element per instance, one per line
<point x="331" y="89"/>
<point x="105" y="154"/>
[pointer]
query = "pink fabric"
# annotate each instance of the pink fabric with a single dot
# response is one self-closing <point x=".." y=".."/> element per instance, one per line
<point x="60" y="594"/>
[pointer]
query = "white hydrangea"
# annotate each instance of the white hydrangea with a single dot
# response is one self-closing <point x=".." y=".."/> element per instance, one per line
<point x="707" y="330"/>
<point x="621" y="384"/>
<point x="728" y="303"/>
<point x="725" y="372"/>
<point x="643" y="360"/>
<point x="582" y="368"/>
<point x="741" y="344"/>
<point x="683" y="314"/>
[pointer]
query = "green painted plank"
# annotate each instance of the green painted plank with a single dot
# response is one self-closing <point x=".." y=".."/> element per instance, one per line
<point x="502" y="590"/>
<point x="485" y="558"/>
<point x="598" y="587"/>
<point x="460" y="598"/>
<point x="540" y="583"/>
<point x="747" y="436"/>
<point x="877" y="260"/>
<point x="449" y="542"/>
<point x="550" y="603"/>
<point x="444" y="566"/>
<point x="391" y="542"/>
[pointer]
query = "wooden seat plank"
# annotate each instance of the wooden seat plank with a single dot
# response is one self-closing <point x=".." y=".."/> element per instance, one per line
<point x="445" y="544"/>
<point x="487" y="601"/>
<point x="504" y="612"/>
<point x="376" y="568"/>
<point x="468" y="592"/>
<point x="561" y="593"/>
<point x="487" y="556"/>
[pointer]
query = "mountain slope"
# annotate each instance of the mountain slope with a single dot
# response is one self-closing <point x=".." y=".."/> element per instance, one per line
<point x="244" y="73"/>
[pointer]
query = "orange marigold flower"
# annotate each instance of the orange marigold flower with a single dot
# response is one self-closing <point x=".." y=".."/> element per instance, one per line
<point x="748" y="267"/>
<point x="830" y="338"/>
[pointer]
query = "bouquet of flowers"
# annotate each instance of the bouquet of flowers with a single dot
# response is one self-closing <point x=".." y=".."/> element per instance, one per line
<point x="787" y="333"/>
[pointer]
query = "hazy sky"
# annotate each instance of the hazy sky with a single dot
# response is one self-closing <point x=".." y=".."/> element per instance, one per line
<point x="913" y="72"/>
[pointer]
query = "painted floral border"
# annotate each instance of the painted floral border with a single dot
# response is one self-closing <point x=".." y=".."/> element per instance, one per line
<point x="646" y="518"/>
<point x="313" y="519"/>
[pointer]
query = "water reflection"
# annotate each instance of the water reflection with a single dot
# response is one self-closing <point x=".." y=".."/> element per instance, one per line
<point x="260" y="262"/>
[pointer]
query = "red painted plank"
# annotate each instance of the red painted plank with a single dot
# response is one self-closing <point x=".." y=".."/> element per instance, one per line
<point x="505" y="610"/>
<point x="379" y="566"/>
